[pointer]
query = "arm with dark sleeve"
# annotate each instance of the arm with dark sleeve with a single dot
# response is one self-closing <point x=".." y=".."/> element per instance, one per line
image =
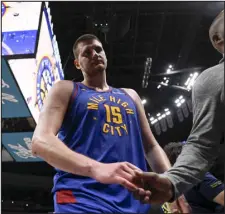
<point x="202" y="145"/>
<point x="211" y="188"/>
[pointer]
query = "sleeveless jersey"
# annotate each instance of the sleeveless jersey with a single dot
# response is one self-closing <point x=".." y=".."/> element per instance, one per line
<point x="105" y="127"/>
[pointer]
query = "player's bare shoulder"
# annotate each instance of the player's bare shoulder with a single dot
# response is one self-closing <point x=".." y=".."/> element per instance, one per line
<point x="63" y="88"/>
<point x="60" y="93"/>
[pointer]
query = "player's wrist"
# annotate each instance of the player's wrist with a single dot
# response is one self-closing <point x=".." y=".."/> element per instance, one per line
<point x="171" y="191"/>
<point x="92" y="167"/>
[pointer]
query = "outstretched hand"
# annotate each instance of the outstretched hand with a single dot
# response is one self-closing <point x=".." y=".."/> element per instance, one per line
<point x="157" y="189"/>
<point x="116" y="173"/>
<point x="153" y="188"/>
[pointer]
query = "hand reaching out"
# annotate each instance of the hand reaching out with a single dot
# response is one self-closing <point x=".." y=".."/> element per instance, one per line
<point x="153" y="188"/>
<point x="156" y="189"/>
<point x="116" y="173"/>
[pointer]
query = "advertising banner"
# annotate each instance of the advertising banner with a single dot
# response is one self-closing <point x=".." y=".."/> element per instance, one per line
<point x="19" y="146"/>
<point x="13" y="103"/>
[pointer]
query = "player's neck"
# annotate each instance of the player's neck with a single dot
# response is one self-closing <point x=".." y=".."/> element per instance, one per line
<point x="98" y="81"/>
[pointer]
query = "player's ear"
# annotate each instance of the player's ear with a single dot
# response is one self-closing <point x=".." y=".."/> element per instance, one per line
<point x="77" y="64"/>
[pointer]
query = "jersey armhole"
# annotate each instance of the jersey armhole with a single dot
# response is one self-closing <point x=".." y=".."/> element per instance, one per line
<point x="73" y="94"/>
<point x="71" y="101"/>
<point x="122" y="89"/>
<point x="135" y="104"/>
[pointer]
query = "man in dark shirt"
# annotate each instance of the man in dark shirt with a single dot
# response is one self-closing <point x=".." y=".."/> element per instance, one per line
<point x="207" y="133"/>
<point x="205" y="197"/>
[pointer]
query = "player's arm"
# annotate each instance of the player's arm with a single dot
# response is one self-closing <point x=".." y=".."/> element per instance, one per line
<point x="155" y="155"/>
<point x="212" y="189"/>
<point x="45" y="143"/>
<point x="219" y="199"/>
<point x="202" y="145"/>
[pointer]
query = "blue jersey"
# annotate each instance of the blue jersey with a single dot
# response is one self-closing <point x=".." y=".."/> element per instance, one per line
<point x="201" y="196"/>
<point x="105" y="127"/>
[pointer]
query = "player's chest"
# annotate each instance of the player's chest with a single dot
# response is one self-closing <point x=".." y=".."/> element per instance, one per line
<point x="116" y="102"/>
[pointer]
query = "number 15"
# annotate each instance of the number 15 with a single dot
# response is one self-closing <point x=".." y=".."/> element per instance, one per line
<point x="113" y="114"/>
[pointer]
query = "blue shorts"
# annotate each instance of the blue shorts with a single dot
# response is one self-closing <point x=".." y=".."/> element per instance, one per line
<point x="66" y="202"/>
<point x="75" y="208"/>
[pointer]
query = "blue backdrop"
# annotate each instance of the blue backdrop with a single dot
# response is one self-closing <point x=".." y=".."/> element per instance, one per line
<point x="19" y="146"/>
<point x="13" y="104"/>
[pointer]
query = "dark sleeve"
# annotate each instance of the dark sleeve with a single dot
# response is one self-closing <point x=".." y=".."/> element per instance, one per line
<point x="210" y="187"/>
<point x="202" y="145"/>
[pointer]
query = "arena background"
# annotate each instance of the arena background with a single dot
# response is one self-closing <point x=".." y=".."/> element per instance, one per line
<point x="156" y="48"/>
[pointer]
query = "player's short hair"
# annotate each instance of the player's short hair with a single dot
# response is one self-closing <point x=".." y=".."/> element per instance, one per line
<point x="83" y="38"/>
<point x="173" y="150"/>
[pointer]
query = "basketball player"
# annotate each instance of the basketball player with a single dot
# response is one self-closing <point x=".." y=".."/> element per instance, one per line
<point x="207" y="132"/>
<point x="205" y="197"/>
<point x="99" y="144"/>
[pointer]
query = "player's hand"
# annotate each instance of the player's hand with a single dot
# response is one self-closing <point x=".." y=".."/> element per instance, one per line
<point x="156" y="189"/>
<point x="116" y="173"/>
<point x="153" y="188"/>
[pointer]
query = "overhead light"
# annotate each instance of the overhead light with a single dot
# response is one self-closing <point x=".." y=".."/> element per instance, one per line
<point x="154" y="121"/>
<point x="26" y="205"/>
<point x="159" y="86"/>
<point x="178" y="104"/>
<point x="158" y="114"/>
<point x="187" y="82"/>
<point x="180" y="97"/>
<point x="177" y="101"/>
<point x="167" y="81"/>
<point x="182" y="101"/>
<point x="12" y="202"/>
<point x="164" y="78"/>
<point x="192" y="80"/>
<point x="152" y="118"/>
<point x="168" y="70"/>
<point x="166" y="109"/>
<point x="159" y="118"/>
<point x="168" y="113"/>
<point x="144" y="101"/>
<point x="170" y="66"/>
<point x="163" y="115"/>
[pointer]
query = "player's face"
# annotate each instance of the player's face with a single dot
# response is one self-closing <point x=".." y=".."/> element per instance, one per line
<point x="91" y="57"/>
<point x="218" y="40"/>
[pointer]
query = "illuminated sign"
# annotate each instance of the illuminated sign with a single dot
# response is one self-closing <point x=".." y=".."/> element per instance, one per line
<point x="36" y="76"/>
<point x="13" y="104"/>
<point x="3" y="9"/>
<point x="19" y="146"/>
<point x="45" y="80"/>
<point x="19" y="27"/>
<point x="54" y="42"/>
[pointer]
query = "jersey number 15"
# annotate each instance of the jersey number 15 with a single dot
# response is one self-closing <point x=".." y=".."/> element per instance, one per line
<point x="113" y="114"/>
